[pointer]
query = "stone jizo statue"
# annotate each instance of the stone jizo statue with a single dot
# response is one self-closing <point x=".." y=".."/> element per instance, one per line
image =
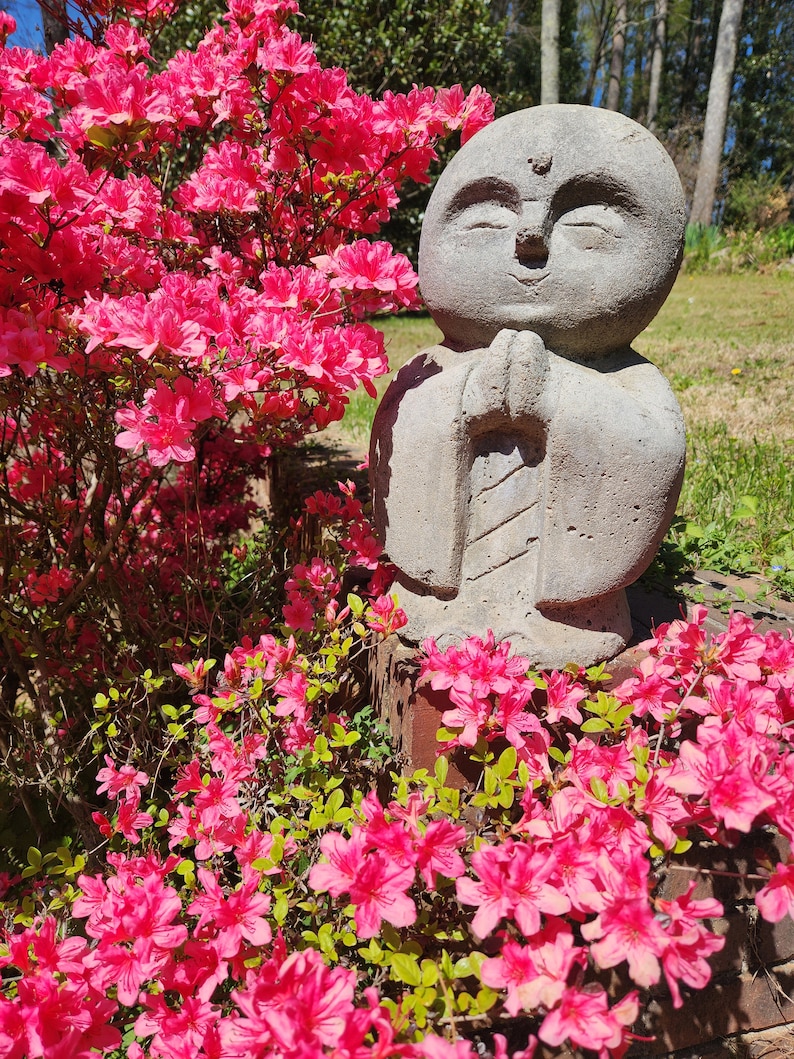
<point x="525" y="470"/>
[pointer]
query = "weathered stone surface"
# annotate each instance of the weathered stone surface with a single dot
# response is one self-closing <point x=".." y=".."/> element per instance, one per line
<point x="525" y="471"/>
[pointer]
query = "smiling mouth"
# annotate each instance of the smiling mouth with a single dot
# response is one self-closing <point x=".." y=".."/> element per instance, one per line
<point x="530" y="278"/>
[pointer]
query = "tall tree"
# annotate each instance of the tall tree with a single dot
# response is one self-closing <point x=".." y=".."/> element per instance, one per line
<point x="393" y="44"/>
<point x="595" y="17"/>
<point x="524" y="20"/>
<point x="550" y="52"/>
<point x="618" y="50"/>
<point x="657" y="61"/>
<point x="683" y="96"/>
<point x="54" y="23"/>
<point x="762" y="108"/>
<point x="639" y="44"/>
<point x="716" y="113"/>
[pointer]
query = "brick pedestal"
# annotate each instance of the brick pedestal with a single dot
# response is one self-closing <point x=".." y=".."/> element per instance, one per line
<point x="413" y="713"/>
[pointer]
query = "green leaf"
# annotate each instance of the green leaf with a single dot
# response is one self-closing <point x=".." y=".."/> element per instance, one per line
<point x="595" y="724"/>
<point x="326" y="939"/>
<point x="622" y="791"/>
<point x="486" y="998"/>
<point x="506" y="765"/>
<point x="599" y="789"/>
<point x="442" y="769"/>
<point x="100" y="137"/>
<point x="746" y="508"/>
<point x="406" y="968"/>
<point x="356" y="604"/>
<point x="464" y="968"/>
<point x="280" y="909"/>
<point x="429" y="973"/>
<point x="372" y="953"/>
<point x="320" y="745"/>
<point x="620" y="715"/>
<point x="317" y="820"/>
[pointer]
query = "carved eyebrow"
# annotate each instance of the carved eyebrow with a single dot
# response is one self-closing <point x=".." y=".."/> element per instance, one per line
<point x="487" y="189"/>
<point x="596" y="189"/>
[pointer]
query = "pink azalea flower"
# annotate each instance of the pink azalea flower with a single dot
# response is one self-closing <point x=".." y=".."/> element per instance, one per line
<point x="127" y="780"/>
<point x="584" y="1018"/>
<point x="513" y="881"/>
<point x="437" y="851"/>
<point x="237" y="916"/>
<point x="628" y="930"/>
<point x="775" y="899"/>
<point x="376" y="884"/>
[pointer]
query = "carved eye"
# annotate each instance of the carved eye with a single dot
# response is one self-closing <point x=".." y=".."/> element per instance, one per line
<point x="595" y="223"/>
<point x="485" y="215"/>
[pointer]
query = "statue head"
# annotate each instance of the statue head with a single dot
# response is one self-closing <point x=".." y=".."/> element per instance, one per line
<point x="563" y="220"/>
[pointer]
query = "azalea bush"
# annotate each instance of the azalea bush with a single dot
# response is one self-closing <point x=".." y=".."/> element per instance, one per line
<point x="188" y="259"/>
<point x="292" y="897"/>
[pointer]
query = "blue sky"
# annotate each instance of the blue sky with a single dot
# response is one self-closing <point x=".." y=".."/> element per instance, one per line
<point x="28" y="16"/>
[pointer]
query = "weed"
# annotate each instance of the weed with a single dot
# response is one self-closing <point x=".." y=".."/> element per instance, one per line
<point x="702" y="243"/>
<point x="736" y="512"/>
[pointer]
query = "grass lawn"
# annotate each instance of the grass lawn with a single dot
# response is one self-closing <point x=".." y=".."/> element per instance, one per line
<point x="726" y="342"/>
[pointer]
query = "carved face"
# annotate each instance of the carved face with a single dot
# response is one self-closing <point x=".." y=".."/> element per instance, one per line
<point x="566" y="221"/>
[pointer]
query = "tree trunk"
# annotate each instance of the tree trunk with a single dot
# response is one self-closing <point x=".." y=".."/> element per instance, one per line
<point x="639" y="43"/>
<point x="600" y="30"/>
<point x="657" y="59"/>
<point x="618" y="49"/>
<point x="716" y="113"/>
<point x="550" y="52"/>
<point x="54" y="23"/>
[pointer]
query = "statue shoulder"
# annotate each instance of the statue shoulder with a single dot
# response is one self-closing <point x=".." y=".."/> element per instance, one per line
<point x="432" y="368"/>
<point x="625" y="368"/>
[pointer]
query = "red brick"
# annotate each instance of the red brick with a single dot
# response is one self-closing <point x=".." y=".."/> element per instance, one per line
<point x="740" y="862"/>
<point x="413" y="714"/>
<point x="770" y="1044"/>
<point x="773" y="943"/>
<point x="734" y="955"/>
<point x="744" y="1003"/>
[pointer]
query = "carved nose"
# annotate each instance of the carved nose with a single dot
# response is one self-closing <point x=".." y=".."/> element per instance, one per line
<point x="532" y="250"/>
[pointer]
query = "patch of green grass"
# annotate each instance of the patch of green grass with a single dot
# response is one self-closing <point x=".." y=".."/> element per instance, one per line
<point x="407" y="335"/>
<point x="736" y="512"/>
<point x="732" y="311"/>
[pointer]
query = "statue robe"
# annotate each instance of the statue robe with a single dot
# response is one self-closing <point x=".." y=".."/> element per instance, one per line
<point x="558" y="506"/>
